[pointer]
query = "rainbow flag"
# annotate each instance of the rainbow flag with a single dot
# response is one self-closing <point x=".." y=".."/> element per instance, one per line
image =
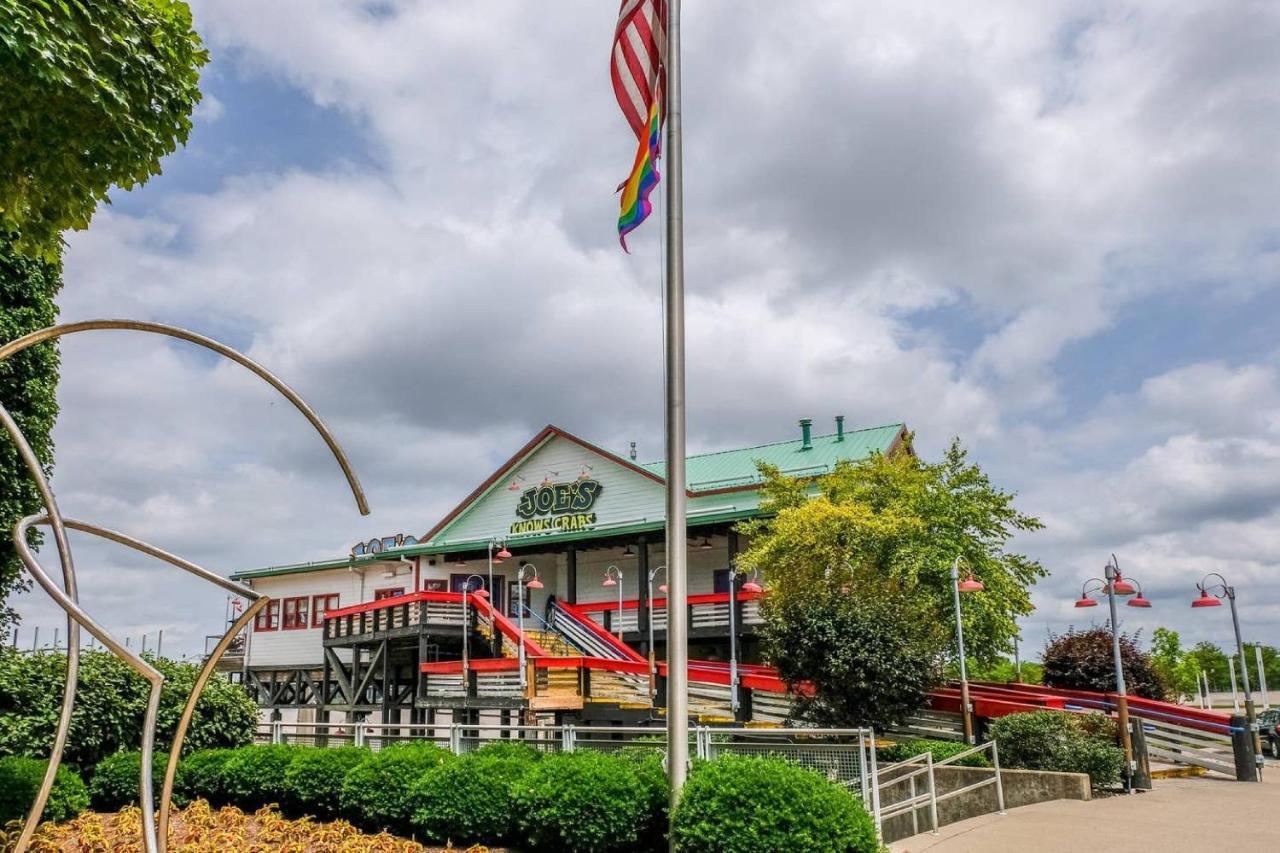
<point x="636" y="206"/>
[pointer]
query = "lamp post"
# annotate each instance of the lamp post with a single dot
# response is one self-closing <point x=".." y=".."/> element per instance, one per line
<point x="751" y="585"/>
<point x="653" y="666"/>
<point x="1116" y="585"/>
<point x="1207" y="598"/>
<point x="496" y="558"/>
<point x="466" y="624"/>
<point x="613" y="577"/>
<point x="533" y="583"/>
<point x="969" y="584"/>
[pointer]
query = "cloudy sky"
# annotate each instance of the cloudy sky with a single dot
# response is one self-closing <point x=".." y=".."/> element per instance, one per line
<point x="1049" y="228"/>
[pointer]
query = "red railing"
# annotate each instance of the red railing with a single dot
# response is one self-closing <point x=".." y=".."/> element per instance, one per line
<point x="578" y="612"/>
<point x="482" y="605"/>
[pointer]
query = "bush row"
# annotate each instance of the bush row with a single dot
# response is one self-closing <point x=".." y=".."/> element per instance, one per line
<point x="507" y="793"/>
<point x="20" y="780"/>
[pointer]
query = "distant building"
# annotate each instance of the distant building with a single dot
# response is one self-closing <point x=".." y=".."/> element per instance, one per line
<point x="378" y="634"/>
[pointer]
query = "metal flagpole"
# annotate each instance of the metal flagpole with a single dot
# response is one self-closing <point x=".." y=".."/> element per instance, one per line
<point x="677" y="547"/>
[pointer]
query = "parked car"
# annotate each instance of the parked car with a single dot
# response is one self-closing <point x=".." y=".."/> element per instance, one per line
<point x="1269" y="732"/>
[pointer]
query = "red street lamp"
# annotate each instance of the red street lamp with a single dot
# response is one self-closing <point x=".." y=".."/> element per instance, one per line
<point x="613" y="577"/>
<point x="521" y="585"/>
<point x="1114" y="585"/>
<point x="752" y="584"/>
<point x="970" y="584"/>
<point x="1221" y="589"/>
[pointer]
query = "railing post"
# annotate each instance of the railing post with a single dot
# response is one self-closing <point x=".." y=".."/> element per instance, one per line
<point x="455" y="738"/>
<point x="995" y="762"/>
<point x="567" y="743"/>
<point x="862" y="769"/>
<point x="1141" y="779"/>
<point x="875" y="786"/>
<point x="1242" y="746"/>
<point x="277" y="732"/>
<point x="933" y="794"/>
<point x="360" y="739"/>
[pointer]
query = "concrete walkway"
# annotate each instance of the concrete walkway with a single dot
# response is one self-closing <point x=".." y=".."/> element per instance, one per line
<point x="1179" y="816"/>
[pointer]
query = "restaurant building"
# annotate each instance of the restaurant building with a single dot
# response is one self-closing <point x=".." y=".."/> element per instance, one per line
<point x="539" y="596"/>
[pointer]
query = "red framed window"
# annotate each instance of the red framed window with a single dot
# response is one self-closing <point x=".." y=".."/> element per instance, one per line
<point x="295" y="613"/>
<point x="268" y="618"/>
<point x="390" y="592"/>
<point x="320" y="605"/>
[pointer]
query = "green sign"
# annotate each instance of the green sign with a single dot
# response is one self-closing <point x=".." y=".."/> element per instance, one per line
<point x="557" y="507"/>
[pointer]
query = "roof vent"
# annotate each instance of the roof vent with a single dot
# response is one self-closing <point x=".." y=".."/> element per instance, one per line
<point x="806" y="434"/>
<point x="839" y="427"/>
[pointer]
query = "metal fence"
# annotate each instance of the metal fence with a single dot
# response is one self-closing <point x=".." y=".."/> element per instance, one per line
<point x="922" y="793"/>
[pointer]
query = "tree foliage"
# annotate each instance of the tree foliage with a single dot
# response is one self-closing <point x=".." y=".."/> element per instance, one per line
<point x="886" y="529"/>
<point x="28" y="389"/>
<point x="110" y="703"/>
<point x="1177" y="669"/>
<point x="870" y="658"/>
<point x="1084" y="660"/>
<point x="94" y="93"/>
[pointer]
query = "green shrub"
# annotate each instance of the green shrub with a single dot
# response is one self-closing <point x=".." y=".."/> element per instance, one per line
<point x="941" y="749"/>
<point x="20" y="779"/>
<point x="582" y="802"/>
<point x="376" y="792"/>
<point x="740" y="804"/>
<point x="200" y="777"/>
<point x="314" y="779"/>
<point x="469" y="799"/>
<point x="649" y="770"/>
<point x="1060" y="741"/>
<point x="116" y="780"/>
<point x="253" y="776"/>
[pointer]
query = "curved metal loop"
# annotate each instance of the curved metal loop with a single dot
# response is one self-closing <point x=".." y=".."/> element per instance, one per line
<point x="1227" y="589"/>
<point x="36" y="472"/>
<point x="68" y="600"/>
<point x="140" y="666"/>
<point x="188" y="709"/>
<point x="54" y="332"/>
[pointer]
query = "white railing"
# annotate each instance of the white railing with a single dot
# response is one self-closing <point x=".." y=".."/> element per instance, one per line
<point x="920" y="770"/>
<point x="1182" y="745"/>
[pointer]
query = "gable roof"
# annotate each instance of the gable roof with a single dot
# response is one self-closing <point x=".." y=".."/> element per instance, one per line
<point x="730" y="470"/>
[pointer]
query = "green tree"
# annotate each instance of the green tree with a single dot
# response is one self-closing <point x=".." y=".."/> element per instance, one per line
<point x="94" y="93"/>
<point x="1211" y="660"/>
<point x="110" y="703"/>
<point x="904" y="519"/>
<point x="28" y="389"/>
<point x="1179" y="671"/>
<point x="870" y="658"/>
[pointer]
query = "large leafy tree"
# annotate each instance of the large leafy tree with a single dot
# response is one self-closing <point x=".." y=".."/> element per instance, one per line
<point x="1177" y="669"/>
<point x="92" y="94"/>
<point x="889" y="528"/>
<point x="28" y="384"/>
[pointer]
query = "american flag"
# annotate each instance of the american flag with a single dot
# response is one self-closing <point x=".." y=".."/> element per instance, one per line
<point x="639" y="49"/>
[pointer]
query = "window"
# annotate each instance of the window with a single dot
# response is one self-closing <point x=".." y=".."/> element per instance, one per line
<point x="720" y="581"/>
<point x="392" y="592"/>
<point x="320" y="605"/>
<point x="268" y="618"/>
<point x="295" y="613"/>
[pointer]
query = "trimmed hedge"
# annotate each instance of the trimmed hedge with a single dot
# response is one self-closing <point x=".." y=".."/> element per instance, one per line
<point x="941" y="749"/>
<point x="253" y="776"/>
<point x="582" y="802"/>
<point x="469" y="800"/>
<point x="116" y="780"/>
<point x="314" y="779"/>
<point x="740" y="804"/>
<point x="376" y="792"/>
<point x="200" y="777"/>
<point x="20" y="780"/>
<point x="1060" y="741"/>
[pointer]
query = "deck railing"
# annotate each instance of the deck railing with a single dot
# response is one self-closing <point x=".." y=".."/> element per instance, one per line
<point x="706" y="611"/>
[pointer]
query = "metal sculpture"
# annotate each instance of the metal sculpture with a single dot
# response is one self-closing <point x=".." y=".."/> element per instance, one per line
<point x="67" y="597"/>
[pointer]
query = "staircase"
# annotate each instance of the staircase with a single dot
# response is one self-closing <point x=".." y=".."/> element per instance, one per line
<point x="556" y="645"/>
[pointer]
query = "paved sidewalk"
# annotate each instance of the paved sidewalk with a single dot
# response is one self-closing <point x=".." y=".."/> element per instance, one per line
<point x="1179" y="816"/>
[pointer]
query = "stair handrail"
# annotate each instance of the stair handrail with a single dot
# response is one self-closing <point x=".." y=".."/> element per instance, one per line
<point x="595" y="628"/>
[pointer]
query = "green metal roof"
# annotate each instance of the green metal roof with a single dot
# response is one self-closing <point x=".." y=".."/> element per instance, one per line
<point x="727" y="469"/>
